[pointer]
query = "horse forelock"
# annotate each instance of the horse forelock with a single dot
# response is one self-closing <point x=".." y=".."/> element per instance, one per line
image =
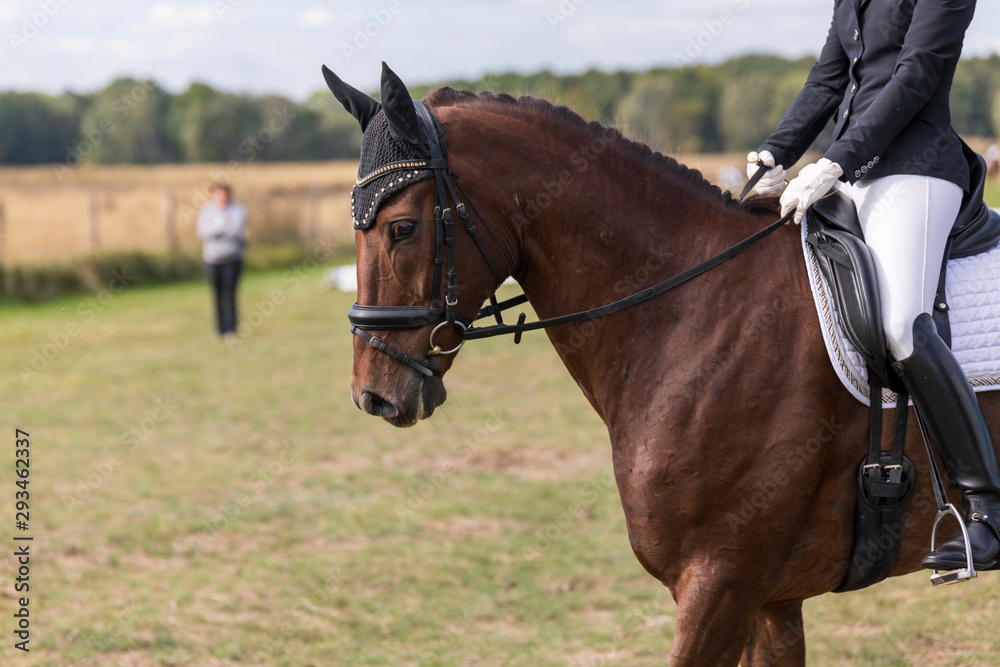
<point x="664" y="165"/>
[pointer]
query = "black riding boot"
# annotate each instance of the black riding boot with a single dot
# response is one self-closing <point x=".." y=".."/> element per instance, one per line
<point x="949" y="408"/>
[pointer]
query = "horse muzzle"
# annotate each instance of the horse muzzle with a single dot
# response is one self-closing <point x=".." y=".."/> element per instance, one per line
<point x="402" y="405"/>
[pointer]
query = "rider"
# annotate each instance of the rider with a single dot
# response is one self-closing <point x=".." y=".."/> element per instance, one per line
<point x="886" y="72"/>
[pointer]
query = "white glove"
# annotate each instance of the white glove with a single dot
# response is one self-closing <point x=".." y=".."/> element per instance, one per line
<point x="773" y="179"/>
<point x="813" y="181"/>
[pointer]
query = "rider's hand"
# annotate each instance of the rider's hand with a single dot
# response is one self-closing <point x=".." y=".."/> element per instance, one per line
<point x="814" y="181"/>
<point x="773" y="179"/>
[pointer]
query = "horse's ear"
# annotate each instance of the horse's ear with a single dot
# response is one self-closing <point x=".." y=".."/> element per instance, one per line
<point x="398" y="107"/>
<point x="361" y="106"/>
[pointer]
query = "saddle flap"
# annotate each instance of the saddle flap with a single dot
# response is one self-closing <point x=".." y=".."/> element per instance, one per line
<point x="836" y="210"/>
<point x="847" y="264"/>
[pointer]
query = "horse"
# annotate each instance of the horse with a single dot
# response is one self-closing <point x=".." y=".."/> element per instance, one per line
<point x="735" y="449"/>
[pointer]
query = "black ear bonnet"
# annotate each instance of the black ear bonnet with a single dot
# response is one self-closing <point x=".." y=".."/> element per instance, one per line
<point x="389" y="165"/>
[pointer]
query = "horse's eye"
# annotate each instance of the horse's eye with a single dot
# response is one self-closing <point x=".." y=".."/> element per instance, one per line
<point x="402" y="229"/>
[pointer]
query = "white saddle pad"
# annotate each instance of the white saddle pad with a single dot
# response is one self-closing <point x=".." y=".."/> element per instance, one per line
<point x="973" y="295"/>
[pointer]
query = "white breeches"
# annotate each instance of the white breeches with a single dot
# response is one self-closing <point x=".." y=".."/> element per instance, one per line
<point x="906" y="221"/>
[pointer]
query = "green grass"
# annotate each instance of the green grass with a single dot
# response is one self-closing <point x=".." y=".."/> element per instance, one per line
<point x="196" y="505"/>
<point x="992" y="194"/>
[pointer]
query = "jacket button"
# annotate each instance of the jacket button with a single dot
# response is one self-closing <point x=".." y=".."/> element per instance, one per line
<point x="875" y="159"/>
<point x="857" y="35"/>
<point x="871" y="164"/>
<point x="845" y="113"/>
<point x="854" y="88"/>
<point x="857" y="173"/>
<point x="855" y="60"/>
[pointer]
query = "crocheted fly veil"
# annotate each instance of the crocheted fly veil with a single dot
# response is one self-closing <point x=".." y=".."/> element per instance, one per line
<point x="394" y="149"/>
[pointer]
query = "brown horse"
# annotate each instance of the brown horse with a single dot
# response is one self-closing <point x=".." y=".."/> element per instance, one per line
<point x="735" y="448"/>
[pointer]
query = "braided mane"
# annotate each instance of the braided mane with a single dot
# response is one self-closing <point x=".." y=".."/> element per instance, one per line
<point x="663" y="164"/>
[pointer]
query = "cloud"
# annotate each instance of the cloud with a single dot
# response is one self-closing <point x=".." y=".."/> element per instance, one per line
<point x="77" y="46"/>
<point x="8" y="12"/>
<point x="169" y="15"/>
<point x="317" y="17"/>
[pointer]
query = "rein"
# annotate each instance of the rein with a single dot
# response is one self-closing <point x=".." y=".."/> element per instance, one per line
<point x="416" y="317"/>
<point x="621" y="304"/>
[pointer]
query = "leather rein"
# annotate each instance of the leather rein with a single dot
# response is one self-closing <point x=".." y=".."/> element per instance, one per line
<point x="447" y="188"/>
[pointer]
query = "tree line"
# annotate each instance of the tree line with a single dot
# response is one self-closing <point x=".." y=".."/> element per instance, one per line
<point x="731" y="106"/>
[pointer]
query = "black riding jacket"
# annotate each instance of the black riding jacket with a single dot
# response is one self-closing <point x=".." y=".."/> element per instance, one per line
<point x="886" y="72"/>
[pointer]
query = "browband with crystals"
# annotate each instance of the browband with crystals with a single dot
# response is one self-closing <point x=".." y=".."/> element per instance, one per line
<point x="391" y="167"/>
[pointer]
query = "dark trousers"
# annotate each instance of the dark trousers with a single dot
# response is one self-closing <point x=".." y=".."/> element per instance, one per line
<point x="223" y="279"/>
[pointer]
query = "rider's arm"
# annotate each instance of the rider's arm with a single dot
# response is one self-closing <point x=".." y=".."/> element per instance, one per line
<point x="934" y="37"/>
<point x="815" y="105"/>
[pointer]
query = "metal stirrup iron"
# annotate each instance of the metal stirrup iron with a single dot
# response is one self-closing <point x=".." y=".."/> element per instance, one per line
<point x="945" y="508"/>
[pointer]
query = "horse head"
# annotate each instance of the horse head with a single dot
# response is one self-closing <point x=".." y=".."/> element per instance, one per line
<point x="405" y="208"/>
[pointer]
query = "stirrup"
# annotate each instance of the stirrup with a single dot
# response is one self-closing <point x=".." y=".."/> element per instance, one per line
<point x="953" y="576"/>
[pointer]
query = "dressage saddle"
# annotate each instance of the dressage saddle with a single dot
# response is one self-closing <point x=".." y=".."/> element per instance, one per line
<point x="836" y="236"/>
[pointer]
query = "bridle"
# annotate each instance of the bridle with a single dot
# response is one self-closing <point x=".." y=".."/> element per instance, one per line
<point x="447" y="187"/>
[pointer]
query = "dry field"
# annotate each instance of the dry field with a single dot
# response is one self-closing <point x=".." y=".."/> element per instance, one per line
<point x="47" y="214"/>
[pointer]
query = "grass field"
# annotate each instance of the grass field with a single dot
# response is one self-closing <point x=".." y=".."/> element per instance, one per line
<point x="198" y="504"/>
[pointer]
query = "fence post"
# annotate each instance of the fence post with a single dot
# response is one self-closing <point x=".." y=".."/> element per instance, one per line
<point x="312" y="214"/>
<point x="169" y="219"/>
<point x="93" y="221"/>
<point x="3" y="233"/>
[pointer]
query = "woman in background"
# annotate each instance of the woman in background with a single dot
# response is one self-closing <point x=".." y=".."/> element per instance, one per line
<point x="222" y="227"/>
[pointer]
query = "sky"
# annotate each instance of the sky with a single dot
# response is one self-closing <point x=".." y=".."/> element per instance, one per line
<point x="258" y="47"/>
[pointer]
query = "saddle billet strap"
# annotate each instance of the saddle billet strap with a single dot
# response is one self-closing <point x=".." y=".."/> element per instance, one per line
<point x="886" y="481"/>
<point x="874" y="426"/>
<point x="899" y="436"/>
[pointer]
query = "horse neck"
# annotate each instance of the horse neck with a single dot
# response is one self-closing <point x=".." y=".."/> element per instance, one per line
<point x="592" y="221"/>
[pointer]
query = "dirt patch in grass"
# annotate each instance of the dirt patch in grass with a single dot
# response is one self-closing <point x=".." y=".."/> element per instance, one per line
<point x="946" y="653"/>
<point x="538" y="463"/>
<point x="142" y="659"/>
<point x="462" y="528"/>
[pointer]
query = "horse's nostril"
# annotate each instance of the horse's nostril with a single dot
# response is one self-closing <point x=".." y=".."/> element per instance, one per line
<point x="375" y="405"/>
